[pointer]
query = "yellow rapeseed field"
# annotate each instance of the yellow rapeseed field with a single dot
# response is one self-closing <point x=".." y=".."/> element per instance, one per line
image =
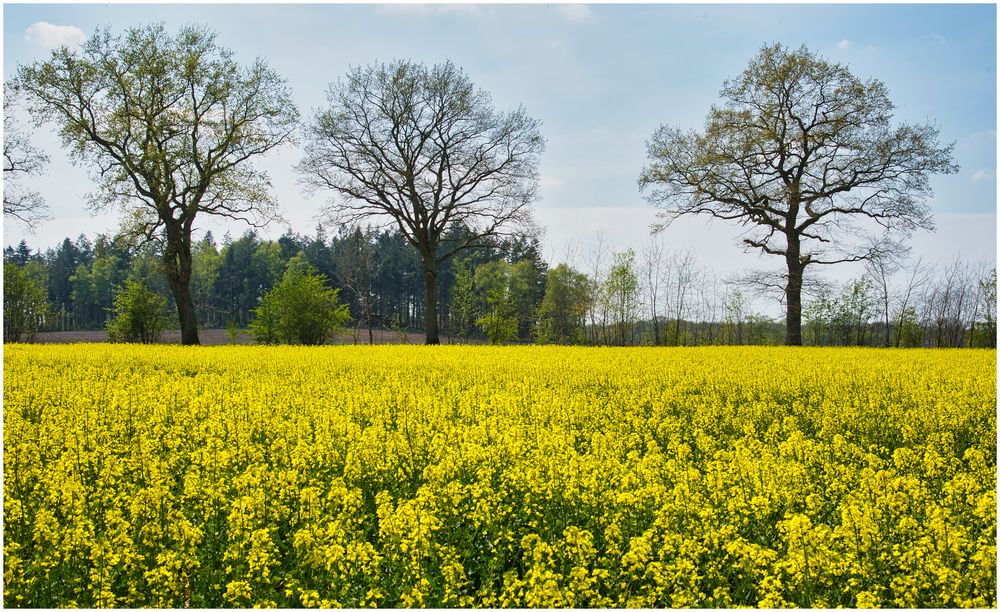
<point x="509" y="476"/>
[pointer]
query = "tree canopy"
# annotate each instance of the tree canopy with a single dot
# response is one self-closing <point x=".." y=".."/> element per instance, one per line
<point x="421" y="148"/>
<point x="170" y="125"/>
<point x="804" y="155"/>
<point x="21" y="159"/>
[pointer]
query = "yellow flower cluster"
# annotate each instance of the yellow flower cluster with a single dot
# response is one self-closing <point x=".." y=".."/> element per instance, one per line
<point x="498" y="476"/>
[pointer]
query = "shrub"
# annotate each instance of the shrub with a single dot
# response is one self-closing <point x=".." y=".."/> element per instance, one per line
<point x="25" y="306"/>
<point x="299" y="310"/>
<point x="138" y="314"/>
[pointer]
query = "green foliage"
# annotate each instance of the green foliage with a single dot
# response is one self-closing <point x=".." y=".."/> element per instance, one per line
<point x="139" y="315"/>
<point x="301" y="309"/>
<point x="464" y="305"/>
<point x="232" y="331"/>
<point x="499" y="328"/>
<point x="620" y="294"/>
<point x="562" y="314"/>
<point x="25" y="304"/>
<point x="498" y="281"/>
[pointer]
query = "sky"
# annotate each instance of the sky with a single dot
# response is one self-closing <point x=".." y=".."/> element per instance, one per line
<point x="600" y="77"/>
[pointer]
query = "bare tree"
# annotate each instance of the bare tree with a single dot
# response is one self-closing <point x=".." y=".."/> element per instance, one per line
<point x="653" y="264"/>
<point x="880" y="269"/>
<point x="708" y="300"/>
<point x="170" y="124"/>
<point x="423" y="149"/>
<point x="597" y="257"/>
<point x="356" y="264"/>
<point x="800" y="153"/>
<point x="21" y="159"/>
<point x="919" y="275"/>
<point x="682" y="267"/>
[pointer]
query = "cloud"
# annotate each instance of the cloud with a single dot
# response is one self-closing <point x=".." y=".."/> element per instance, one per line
<point x="843" y="44"/>
<point x="574" y="13"/>
<point x="984" y="175"/>
<point x="49" y="36"/>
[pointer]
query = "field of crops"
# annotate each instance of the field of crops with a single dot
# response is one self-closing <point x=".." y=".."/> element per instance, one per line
<point x="511" y="476"/>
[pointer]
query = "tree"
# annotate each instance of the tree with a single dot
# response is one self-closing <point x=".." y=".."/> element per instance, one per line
<point x="562" y="316"/>
<point x="803" y="154"/>
<point x="654" y="265"/>
<point x="301" y="309"/>
<point x="621" y="293"/>
<point x="356" y="265"/>
<point x="464" y="303"/>
<point x="170" y="124"/>
<point x="424" y="149"/>
<point x="20" y="160"/>
<point x="25" y="307"/>
<point x="880" y="269"/>
<point x="496" y="280"/>
<point x="988" y="297"/>
<point x="139" y="315"/>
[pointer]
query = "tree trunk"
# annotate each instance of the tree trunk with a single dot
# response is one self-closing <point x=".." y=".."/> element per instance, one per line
<point x="793" y="296"/>
<point x="177" y="264"/>
<point x="430" y="312"/>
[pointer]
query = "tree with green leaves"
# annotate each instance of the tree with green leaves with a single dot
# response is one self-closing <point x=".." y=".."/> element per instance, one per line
<point x="139" y="315"/>
<point x="421" y="148"/>
<point x="25" y="303"/>
<point x="620" y="292"/>
<point x="804" y="155"/>
<point x="301" y="309"/>
<point x="21" y="159"/>
<point x="464" y="302"/>
<point x="497" y="282"/>
<point x="170" y="124"/>
<point x="562" y="315"/>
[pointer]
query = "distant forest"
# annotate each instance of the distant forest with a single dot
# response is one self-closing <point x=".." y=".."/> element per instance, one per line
<point x="503" y="291"/>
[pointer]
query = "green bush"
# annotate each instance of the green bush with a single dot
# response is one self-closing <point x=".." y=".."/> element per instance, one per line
<point x="138" y="314"/>
<point x="25" y="304"/>
<point x="299" y="310"/>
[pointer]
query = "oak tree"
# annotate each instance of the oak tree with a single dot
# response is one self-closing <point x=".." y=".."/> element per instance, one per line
<point x="422" y="148"/>
<point x="170" y="124"/>
<point x="805" y="156"/>
<point x="21" y="159"/>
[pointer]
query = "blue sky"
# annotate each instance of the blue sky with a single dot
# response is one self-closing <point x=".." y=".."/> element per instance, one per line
<point x="601" y="78"/>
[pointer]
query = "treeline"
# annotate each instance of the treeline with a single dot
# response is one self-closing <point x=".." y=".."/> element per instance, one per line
<point x="377" y="272"/>
<point x="503" y="291"/>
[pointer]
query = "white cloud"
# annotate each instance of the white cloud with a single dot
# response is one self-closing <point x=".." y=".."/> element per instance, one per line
<point x="49" y="36"/>
<point x="574" y="13"/>
<point x="843" y="44"/>
<point x="984" y="175"/>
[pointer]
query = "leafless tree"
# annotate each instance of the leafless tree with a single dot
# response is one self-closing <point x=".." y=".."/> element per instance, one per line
<point x="919" y="274"/>
<point x="356" y="264"/>
<point x="597" y="257"/>
<point x="652" y="268"/>
<point x="423" y="149"/>
<point x="682" y="272"/>
<point x="880" y="269"/>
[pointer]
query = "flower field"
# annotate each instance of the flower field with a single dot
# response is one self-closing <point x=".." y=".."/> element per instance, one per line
<point x="510" y="476"/>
